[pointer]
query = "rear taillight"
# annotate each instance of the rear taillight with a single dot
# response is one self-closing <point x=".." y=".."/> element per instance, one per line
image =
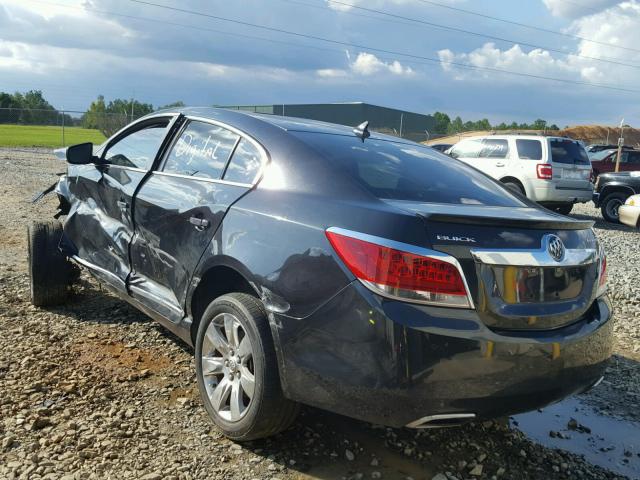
<point x="544" y="171"/>
<point x="396" y="272"/>
<point x="602" y="275"/>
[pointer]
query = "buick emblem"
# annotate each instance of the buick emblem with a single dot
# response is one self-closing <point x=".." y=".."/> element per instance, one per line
<point x="555" y="248"/>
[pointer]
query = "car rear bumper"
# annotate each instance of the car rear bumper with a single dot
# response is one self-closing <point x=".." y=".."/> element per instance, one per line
<point x="551" y="192"/>
<point x="629" y="215"/>
<point x="395" y="363"/>
<point x="596" y="199"/>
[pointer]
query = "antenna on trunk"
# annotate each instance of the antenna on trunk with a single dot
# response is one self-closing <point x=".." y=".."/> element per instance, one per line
<point x="362" y="130"/>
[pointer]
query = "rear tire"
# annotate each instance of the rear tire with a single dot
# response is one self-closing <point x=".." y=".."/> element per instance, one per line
<point x="237" y="370"/>
<point x="564" y="209"/>
<point x="48" y="268"/>
<point x="610" y="205"/>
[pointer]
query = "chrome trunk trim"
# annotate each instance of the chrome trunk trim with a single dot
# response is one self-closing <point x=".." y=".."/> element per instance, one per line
<point x="535" y="257"/>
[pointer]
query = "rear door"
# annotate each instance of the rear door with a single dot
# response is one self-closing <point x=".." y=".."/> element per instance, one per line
<point x="571" y="164"/>
<point x="100" y="225"/>
<point x="495" y="158"/>
<point x="180" y="206"/>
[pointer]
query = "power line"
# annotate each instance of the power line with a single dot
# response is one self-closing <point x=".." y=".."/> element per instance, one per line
<point x="389" y="52"/>
<point x="482" y="35"/>
<point x="525" y="25"/>
<point x="414" y="58"/>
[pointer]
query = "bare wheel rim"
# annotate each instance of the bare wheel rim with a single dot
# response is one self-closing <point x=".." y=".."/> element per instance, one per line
<point x="228" y="367"/>
<point x="613" y="206"/>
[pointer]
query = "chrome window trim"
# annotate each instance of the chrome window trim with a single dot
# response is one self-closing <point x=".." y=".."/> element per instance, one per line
<point x="203" y="179"/>
<point x="113" y="165"/>
<point x="406" y="247"/>
<point x="535" y="257"/>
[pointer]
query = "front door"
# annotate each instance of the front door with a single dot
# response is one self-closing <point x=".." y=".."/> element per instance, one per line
<point x="180" y="206"/>
<point x="100" y="224"/>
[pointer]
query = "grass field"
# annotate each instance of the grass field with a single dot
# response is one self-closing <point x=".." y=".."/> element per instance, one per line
<point x="50" y="136"/>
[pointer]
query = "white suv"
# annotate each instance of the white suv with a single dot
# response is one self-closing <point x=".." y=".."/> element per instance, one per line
<point x="553" y="171"/>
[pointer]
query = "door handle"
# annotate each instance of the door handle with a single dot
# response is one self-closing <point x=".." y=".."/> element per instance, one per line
<point x="199" y="223"/>
<point x="122" y="204"/>
<point x="499" y="164"/>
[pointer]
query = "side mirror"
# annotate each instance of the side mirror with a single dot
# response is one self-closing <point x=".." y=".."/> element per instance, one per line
<point x="80" y="154"/>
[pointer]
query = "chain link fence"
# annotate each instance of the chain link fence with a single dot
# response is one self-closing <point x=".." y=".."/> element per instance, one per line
<point x="59" y="127"/>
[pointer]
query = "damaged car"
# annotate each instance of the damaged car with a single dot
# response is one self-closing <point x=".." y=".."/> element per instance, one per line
<point x="312" y="263"/>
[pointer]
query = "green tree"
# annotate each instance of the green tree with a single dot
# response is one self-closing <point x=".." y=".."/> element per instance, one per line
<point x="539" y="124"/>
<point x="442" y="122"/>
<point x="456" y="125"/>
<point x="95" y="115"/>
<point x="178" y="104"/>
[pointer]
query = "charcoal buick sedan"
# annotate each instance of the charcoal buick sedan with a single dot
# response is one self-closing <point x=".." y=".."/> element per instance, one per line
<point x="311" y="263"/>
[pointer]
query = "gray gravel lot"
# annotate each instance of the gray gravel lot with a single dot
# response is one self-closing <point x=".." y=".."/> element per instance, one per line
<point x="94" y="389"/>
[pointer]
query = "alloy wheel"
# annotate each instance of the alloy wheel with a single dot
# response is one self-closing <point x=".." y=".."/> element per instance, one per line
<point x="228" y="367"/>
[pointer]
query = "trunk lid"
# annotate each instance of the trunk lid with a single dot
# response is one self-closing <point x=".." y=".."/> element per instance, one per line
<point x="506" y="257"/>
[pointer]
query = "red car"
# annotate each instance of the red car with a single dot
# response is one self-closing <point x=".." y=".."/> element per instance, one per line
<point x="629" y="161"/>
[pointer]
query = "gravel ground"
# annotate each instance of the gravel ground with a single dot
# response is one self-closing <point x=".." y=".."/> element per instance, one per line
<point x="94" y="389"/>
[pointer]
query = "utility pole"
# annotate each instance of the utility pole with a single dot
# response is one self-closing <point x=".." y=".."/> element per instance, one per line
<point x="63" y="127"/>
<point x="620" y="143"/>
<point x="401" y="122"/>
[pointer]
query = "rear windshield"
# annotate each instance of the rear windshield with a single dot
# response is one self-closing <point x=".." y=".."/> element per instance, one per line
<point x="529" y="149"/>
<point x="402" y="171"/>
<point x="568" y="151"/>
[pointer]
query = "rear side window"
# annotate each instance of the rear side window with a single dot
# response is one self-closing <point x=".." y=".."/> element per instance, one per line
<point x="245" y="163"/>
<point x="529" y="149"/>
<point x="201" y="151"/>
<point x="411" y="172"/>
<point x="634" y="157"/>
<point x="494" y="148"/>
<point x="466" y="149"/>
<point x="568" y="151"/>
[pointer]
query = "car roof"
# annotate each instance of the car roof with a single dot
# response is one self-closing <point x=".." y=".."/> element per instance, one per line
<point x="238" y="118"/>
<point x="518" y="136"/>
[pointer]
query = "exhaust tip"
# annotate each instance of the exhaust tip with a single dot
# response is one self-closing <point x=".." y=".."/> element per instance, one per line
<point x="442" y="420"/>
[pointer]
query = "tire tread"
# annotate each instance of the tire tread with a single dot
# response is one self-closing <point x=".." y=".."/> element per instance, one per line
<point x="48" y="267"/>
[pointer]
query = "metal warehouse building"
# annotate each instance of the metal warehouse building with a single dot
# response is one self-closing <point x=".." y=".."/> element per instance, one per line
<point x="414" y="126"/>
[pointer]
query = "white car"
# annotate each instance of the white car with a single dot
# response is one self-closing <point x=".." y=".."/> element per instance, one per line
<point x="629" y="213"/>
<point x="553" y="171"/>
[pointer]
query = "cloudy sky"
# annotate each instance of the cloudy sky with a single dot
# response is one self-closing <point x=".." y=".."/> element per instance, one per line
<point x="410" y="54"/>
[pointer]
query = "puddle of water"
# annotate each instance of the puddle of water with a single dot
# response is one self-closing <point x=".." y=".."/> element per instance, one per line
<point x="611" y="443"/>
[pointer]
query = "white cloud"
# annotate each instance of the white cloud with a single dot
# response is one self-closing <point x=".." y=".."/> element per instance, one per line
<point x="331" y="73"/>
<point x="346" y="5"/>
<point x="368" y="64"/>
<point x="578" y="8"/>
<point x="535" y="62"/>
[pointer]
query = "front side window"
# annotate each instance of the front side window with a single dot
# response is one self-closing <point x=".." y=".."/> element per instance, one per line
<point x="138" y="149"/>
<point x="245" y="163"/>
<point x="467" y="149"/>
<point x="494" y="148"/>
<point x="410" y="172"/>
<point x="202" y="150"/>
<point x="529" y="149"/>
<point x="568" y="151"/>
